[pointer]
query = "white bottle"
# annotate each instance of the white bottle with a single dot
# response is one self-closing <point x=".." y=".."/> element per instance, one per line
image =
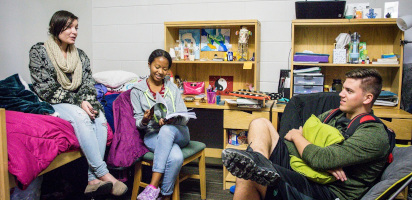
<point x="182" y="56"/>
<point x="192" y="52"/>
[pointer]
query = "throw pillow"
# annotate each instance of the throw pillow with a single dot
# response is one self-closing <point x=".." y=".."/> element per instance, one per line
<point x="114" y="79"/>
<point x="322" y="135"/>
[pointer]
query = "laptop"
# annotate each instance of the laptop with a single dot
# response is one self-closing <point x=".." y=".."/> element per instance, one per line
<point x="320" y="9"/>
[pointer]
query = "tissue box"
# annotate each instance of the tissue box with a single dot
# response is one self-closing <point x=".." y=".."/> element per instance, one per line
<point x="339" y="56"/>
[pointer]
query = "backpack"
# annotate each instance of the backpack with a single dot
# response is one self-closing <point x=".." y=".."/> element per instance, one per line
<point x="361" y="119"/>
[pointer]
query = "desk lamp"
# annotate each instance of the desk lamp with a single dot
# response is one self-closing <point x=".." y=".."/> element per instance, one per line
<point x="404" y="23"/>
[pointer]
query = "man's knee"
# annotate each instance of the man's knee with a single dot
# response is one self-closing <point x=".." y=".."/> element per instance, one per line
<point x="260" y="122"/>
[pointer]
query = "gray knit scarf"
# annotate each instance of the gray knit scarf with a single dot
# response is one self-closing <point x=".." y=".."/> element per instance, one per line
<point x="62" y="65"/>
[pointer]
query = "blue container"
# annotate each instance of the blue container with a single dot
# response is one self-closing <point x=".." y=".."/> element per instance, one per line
<point x="230" y="56"/>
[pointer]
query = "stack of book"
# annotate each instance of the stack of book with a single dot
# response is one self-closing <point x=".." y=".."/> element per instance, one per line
<point x="387" y="59"/>
<point x="246" y="103"/>
<point x="387" y="98"/>
<point x="249" y="103"/>
<point x="311" y="71"/>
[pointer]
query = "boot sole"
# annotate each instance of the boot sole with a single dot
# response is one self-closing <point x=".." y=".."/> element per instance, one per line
<point x="243" y="166"/>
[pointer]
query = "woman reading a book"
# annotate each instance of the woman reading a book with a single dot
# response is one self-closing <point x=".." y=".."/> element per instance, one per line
<point x="163" y="137"/>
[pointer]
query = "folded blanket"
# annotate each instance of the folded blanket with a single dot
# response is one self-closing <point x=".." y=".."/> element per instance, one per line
<point x="33" y="141"/>
<point x="14" y="96"/>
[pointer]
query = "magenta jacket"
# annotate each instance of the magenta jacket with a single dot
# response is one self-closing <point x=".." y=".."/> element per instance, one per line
<point x="127" y="145"/>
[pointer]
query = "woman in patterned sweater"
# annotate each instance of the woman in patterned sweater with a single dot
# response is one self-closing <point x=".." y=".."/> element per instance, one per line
<point x="61" y="75"/>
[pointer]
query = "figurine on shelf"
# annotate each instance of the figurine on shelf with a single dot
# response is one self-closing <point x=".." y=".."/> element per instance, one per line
<point x="243" y="42"/>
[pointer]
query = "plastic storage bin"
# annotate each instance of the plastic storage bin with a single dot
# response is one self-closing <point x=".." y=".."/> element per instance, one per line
<point x="306" y="89"/>
<point x="308" y="80"/>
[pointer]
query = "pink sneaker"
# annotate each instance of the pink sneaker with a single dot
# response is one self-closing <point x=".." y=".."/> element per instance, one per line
<point x="149" y="193"/>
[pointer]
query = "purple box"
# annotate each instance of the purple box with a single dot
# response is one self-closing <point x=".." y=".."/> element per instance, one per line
<point x="311" y="58"/>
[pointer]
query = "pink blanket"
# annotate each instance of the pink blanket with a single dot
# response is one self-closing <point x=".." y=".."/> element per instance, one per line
<point x="33" y="141"/>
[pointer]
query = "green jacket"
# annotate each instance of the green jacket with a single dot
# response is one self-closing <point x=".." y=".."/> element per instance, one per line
<point x="363" y="157"/>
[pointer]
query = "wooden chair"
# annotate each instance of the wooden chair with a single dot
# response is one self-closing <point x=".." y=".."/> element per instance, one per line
<point x="7" y="180"/>
<point x="194" y="150"/>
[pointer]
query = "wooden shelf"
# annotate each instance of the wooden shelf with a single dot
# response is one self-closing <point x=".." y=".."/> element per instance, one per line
<point x="382" y="36"/>
<point x="343" y="22"/>
<point x="345" y="65"/>
<point x="239" y="147"/>
<point x="212" y="62"/>
<point x="201" y="70"/>
<point x="230" y="178"/>
<point x="212" y="23"/>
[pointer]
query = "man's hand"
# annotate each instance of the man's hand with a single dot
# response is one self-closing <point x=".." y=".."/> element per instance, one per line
<point x="292" y="133"/>
<point x="339" y="174"/>
<point x="86" y="106"/>
<point x="296" y="136"/>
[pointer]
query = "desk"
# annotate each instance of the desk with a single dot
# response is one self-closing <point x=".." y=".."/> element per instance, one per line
<point x="398" y="120"/>
<point x="237" y="118"/>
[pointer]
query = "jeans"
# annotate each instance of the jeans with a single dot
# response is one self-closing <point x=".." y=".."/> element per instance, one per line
<point x="168" y="157"/>
<point x="92" y="136"/>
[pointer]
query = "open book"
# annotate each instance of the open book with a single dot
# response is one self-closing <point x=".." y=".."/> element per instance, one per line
<point x="161" y="106"/>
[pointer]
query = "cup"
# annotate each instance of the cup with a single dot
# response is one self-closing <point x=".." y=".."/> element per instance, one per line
<point x="211" y="97"/>
<point x="191" y="57"/>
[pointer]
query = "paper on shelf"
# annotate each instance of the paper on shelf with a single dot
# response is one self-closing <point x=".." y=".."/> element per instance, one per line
<point x="247" y="65"/>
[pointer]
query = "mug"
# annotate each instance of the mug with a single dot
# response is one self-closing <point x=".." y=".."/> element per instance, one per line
<point x="211" y="97"/>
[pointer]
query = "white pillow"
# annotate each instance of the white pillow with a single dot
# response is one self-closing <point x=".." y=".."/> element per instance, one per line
<point x="128" y="85"/>
<point x="114" y="79"/>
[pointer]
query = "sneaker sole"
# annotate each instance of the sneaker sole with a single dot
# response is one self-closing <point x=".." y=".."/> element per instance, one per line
<point x="242" y="166"/>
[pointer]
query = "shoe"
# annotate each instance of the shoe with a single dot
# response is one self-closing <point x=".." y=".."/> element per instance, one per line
<point x="249" y="165"/>
<point x="119" y="188"/>
<point x="102" y="188"/>
<point x="232" y="189"/>
<point x="149" y="193"/>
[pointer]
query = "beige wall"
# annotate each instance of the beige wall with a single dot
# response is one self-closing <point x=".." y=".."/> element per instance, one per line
<point x="126" y="31"/>
<point x="120" y="34"/>
<point x="25" y="22"/>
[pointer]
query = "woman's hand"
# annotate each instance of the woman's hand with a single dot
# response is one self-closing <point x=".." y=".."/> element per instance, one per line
<point x="147" y="116"/>
<point x="162" y="122"/>
<point x="339" y="174"/>
<point x="86" y="106"/>
<point x="169" y="121"/>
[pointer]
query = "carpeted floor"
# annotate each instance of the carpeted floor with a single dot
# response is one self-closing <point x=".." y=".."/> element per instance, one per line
<point x="190" y="190"/>
<point x="68" y="183"/>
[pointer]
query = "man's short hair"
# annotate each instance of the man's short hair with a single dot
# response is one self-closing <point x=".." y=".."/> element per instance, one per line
<point x="371" y="80"/>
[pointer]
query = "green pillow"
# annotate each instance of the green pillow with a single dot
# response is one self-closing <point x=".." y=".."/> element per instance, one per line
<point x="322" y="135"/>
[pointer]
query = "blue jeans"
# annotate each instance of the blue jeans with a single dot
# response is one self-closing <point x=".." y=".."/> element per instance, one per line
<point x="168" y="157"/>
<point x="92" y="136"/>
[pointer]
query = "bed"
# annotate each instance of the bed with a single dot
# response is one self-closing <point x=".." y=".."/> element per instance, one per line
<point x="66" y="150"/>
